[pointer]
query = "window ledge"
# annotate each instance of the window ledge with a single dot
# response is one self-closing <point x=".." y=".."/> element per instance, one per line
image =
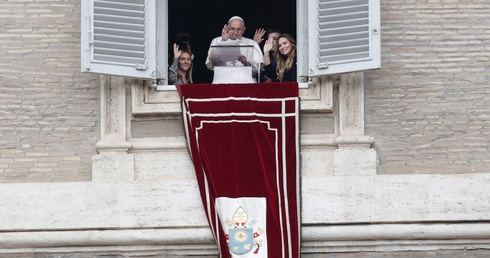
<point x="301" y="85"/>
<point x="148" y="98"/>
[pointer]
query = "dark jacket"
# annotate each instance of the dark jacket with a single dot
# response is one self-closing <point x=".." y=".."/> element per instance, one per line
<point x="289" y="76"/>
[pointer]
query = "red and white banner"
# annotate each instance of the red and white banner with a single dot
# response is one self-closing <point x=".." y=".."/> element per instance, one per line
<point x="244" y="143"/>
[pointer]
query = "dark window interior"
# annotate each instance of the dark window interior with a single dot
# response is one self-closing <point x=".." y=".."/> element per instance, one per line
<point x="203" y="21"/>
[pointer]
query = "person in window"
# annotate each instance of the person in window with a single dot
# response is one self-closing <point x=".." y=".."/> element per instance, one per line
<point x="233" y="33"/>
<point x="285" y="55"/>
<point x="180" y="72"/>
<point x="272" y="36"/>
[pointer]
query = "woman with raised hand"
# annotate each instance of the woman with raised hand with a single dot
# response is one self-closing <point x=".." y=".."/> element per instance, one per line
<point x="180" y="72"/>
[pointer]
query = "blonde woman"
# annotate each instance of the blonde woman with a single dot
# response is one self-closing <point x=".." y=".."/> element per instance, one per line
<point x="180" y="72"/>
<point x="285" y="54"/>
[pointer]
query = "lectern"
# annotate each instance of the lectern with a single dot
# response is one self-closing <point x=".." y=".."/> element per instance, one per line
<point x="227" y="68"/>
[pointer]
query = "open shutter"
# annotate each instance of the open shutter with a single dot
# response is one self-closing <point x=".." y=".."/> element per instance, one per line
<point x="118" y="37"/>
<point x="344" y="36"/>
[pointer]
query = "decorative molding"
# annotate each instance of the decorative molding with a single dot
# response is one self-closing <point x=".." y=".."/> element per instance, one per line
<point x="339" y="214"/>
<point x="351" y="104"/>
<point x="362" y="141"/>
<point x="395" y="237"/>
<point x="113" y="126"/>
<point x="318" y="97"/>
<point x="147" y="99"/>
<point x="199" y="241"/>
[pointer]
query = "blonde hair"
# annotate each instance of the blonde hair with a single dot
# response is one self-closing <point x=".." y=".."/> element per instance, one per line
<point x="188" y="72"/>
<point x="284" y="63"/>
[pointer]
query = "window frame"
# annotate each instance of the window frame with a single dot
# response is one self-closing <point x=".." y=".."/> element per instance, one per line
<point x="156" y="29"/>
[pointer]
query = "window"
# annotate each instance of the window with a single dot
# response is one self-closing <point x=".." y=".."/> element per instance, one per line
<point x="129" y="37"/>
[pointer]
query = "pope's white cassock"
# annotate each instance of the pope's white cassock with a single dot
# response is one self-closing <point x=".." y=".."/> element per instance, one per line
<point x="225" y="54"/>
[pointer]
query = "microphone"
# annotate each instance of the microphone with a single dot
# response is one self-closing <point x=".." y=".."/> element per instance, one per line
<point x="233" y="38"/>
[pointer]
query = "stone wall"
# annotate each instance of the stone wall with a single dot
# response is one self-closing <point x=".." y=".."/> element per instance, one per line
<point x="49" y="111"/>
<point x="428" y="107"/>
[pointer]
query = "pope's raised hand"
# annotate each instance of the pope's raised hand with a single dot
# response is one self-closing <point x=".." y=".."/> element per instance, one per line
<point x="225" y="33"/>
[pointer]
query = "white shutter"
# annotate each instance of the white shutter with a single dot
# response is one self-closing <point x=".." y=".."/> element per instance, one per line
<point x="118" y="37"/>
<point x="344" y="36"/>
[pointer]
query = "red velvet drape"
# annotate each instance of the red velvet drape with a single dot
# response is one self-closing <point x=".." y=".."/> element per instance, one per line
<point x="243" y="139"/>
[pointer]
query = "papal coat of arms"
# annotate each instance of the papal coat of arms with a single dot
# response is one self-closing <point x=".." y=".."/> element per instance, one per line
<point x="242" y="237"/>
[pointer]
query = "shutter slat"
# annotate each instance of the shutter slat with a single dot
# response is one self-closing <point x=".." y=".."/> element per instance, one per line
<point x="343" y="17"/>
<point x="346" y="50"/>
<point x="119" y="52"/>
<point x="117" y="60"/>
<point x="116" y="32"/>
<point x="120" y="46"/>
<point x="345" y="23"/>
<point x="123" y="5"/>
<point x="119" y="26"/>
<point x="119" y="19"/>
<point x="354" y="57"/>
<point x="345" y="36"/>
<point x="346" y="43"/>
<point x="343" y="11"/>
<point x="119" y="39"/>
<point x="342" y="3"/>
<point x="355" y="31"/>
<point x="119" y="12"/>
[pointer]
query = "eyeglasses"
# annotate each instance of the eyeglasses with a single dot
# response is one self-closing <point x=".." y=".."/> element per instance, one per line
<point x="235" y="29"/>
